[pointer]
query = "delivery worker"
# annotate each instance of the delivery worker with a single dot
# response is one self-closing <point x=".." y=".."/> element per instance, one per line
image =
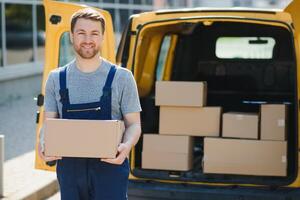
<point x="77" y="91"/>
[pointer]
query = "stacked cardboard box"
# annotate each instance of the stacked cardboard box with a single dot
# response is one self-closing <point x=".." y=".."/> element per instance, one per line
<point x="182" y="115"/>
<point x="245" y="154"/>
<point x="180" y="93"/>
<point x="167" y="152"/>
<point x="193" y="121"/>
<point x="245" y="157"/>
<point x="240" y="125"/>
<point x="183" y="111"/>
<point x="273" y="122"/>
<point x="257" y="145"/>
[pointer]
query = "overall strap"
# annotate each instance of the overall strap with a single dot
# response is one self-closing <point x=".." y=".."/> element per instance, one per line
<point x="63" y="91"/>
<point x="62" y="78"/>
<point x="106" y="100"/>
<point x="110" y="78"/>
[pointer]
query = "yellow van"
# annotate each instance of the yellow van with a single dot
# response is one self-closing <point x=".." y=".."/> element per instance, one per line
<point x="246" y="56"/>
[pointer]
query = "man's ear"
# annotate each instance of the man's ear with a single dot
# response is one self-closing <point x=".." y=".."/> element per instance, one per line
<point x="71" y="37"/>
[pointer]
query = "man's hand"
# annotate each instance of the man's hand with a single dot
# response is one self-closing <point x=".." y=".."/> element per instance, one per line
<point x="46" y="158"/>
<point x="47" y="115"/>
<point x="124" y="150"/>
<point x="131" y="137"/>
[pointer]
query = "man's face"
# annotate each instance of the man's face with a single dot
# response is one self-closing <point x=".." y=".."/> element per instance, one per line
<point x="87" y="38"/>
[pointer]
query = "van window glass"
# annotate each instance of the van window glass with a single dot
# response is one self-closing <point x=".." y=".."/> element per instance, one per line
<point x="245" y="47"/>
<point x="66" y="53"/>
<point x="162" y="57"/>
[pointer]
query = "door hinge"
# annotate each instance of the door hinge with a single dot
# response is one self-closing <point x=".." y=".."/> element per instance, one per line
<point x="40" y="100"/>
<point x="37" y="117"/>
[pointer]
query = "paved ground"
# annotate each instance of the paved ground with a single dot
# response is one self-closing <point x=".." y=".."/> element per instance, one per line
<point x="22" y="181"/>
<point x="17" y="122"/>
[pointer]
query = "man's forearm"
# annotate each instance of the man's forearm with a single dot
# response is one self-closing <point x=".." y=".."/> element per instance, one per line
<point x="132" y="134"/>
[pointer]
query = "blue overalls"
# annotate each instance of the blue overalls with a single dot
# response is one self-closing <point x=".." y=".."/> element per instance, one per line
<point x="90" y="178"/>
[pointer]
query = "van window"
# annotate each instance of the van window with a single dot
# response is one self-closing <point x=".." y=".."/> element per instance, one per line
<point x="245" y="47"/>
<point x="66" y="53"/>
<point x="162" y="57"/>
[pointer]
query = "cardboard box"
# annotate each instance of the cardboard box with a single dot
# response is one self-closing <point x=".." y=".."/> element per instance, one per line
<point x="245" y="157"/>
<point x="273" y="121"/>
<point x="167" y="143"/>
<point x="240" y="125"/>
<point x="83" y="138"/>
<point x="166" y="152"/>
<point x="193" y="121"/>
<point x="166" y="161"/>
<point x="179" y="93"/>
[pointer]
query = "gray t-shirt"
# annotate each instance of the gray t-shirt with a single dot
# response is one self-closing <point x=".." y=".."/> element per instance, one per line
<point x="87" y="88"/>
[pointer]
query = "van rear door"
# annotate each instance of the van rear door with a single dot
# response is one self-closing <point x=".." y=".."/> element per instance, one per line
<point x="59" y="49"/>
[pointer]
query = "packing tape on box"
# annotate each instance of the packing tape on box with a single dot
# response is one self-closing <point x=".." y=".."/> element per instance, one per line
<point x="283" y="159"/>
<point x="281" y="123"/>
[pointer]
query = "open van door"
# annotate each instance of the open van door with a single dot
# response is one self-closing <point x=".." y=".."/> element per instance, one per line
<point x="293" y="9"/>
<point x="59" y="50"/>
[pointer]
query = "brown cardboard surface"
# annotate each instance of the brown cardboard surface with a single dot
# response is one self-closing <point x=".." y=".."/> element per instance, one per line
<point x="167" y="143"/>
<point x="166" y="161"/>
<point x="83" y="138"/>
<point x="167" y="152"/>
<point x="273" y="121"/>
<point x="240" y="125"/>
<point x="180" y="93"/>
<point x="193" y="121"/>
<point x="245" y="157"/>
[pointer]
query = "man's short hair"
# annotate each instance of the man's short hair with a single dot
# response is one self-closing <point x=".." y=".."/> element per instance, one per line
<point x="88" y="13"/>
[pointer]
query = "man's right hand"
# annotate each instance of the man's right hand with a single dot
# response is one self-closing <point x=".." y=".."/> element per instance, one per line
<point x="46" y="158"/>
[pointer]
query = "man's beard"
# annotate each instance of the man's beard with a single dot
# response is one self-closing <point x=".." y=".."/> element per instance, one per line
<point x="86" y="54"/>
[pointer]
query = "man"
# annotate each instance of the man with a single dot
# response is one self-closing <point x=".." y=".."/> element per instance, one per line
<point x="77" y="91"/>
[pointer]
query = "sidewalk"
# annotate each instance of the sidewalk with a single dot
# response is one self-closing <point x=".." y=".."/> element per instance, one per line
<point x="22" y="181"/>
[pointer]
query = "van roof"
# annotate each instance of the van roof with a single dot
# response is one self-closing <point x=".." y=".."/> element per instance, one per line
<point x="210" y="9"/>
<point x="241" y="12"/>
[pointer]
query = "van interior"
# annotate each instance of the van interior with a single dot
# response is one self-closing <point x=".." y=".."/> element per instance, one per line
<point x="244" y="64"/>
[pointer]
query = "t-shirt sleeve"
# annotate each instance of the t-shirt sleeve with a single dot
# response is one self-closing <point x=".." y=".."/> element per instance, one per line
<point x="50" y="100"/>
<point x="130" y="101"/>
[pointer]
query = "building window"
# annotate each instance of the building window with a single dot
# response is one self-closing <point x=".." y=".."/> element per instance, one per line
<point x="40" y="33"/>
<point x="124" y="1"/>
<point x="19" y="33"/>
<point x="1" y="52"/>
<point x="137" y="1"/>
<point x="108" y="1"/>
<point x="124" y="16"/>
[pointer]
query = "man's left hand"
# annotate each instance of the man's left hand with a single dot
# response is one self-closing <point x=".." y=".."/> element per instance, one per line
<point x="124" y="150"/>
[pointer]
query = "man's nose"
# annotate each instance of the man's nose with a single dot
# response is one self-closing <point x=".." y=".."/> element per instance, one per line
<point x="88" y="38"/>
